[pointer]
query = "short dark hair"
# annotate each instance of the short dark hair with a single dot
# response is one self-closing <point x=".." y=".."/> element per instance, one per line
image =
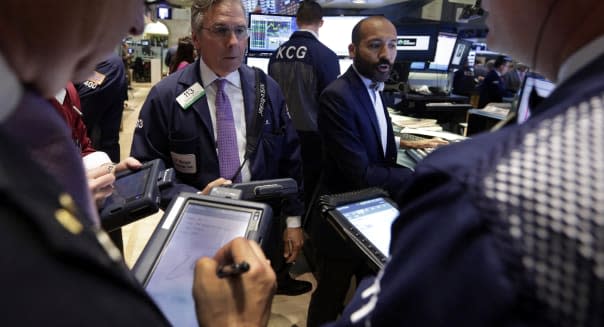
<point x="501" y="60"/>
<point x="309" y="12"/>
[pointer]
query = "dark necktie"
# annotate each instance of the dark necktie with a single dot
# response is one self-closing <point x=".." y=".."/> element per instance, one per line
<point x="228" y="153"/>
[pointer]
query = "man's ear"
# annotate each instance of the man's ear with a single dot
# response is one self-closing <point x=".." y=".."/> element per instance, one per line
<point x="352" y="49"/>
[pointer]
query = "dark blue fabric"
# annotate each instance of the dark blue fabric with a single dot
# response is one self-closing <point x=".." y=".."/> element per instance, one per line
<point x="54" y="276"/>
<point x="164" y="127"/>
<point x="445" y="268"/>
<point x="103" y="106"/>
<point x="354" y="156"/>
<point x="492" y="89"/>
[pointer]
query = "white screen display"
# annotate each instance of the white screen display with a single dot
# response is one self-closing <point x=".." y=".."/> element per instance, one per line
<point x="261" y="63"/>
<point x="373" y="218"/>
<point x="336" y="32"/>
<point x="200" y="232"/>
<point x="444" y="51"/>
<point x="543" y="89"/>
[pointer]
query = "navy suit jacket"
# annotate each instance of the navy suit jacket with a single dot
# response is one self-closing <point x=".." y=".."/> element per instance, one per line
<point x="492" y="89"/>
<point x="164" y="128"/>
<point x="353" y="153"/>
<point x="455" y="260"/>
<point x="55" y="276"/>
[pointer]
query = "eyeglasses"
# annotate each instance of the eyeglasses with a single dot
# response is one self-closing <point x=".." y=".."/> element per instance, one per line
<point x="223" y="31"/>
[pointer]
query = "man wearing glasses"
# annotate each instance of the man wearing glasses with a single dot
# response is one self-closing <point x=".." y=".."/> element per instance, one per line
<point x="202" y="121"/>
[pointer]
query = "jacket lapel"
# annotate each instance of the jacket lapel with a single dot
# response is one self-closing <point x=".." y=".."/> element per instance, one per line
<point x="360" y="92"/>
<point x="190" y="76"/>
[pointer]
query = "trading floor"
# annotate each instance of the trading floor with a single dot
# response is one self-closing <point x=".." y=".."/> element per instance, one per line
<point x="286" y="310"/>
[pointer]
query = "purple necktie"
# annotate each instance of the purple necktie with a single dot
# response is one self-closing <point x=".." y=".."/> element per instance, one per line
<point x="228" y="154"/>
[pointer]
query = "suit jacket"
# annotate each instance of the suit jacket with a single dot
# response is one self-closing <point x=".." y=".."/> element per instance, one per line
<point x="165" y="129"/>
<point x="51" y="274"/>
<point x="352" y="150"/>
<point x="492" y="89"/>
<point x="353" y="153"/>
<point x="492" y="229"/>
<point x="512" y="81"/>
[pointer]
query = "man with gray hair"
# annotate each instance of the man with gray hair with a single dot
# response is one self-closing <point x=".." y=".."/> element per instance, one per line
<point x="204" y="121"/>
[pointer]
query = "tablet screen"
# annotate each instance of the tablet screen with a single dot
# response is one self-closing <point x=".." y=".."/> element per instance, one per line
<point x="373" y="218"/>
<point x="129" y="187"/>
<point x="200" y="231"/>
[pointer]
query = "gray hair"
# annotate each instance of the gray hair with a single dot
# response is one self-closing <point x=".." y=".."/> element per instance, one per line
<point x="200" y="7"/>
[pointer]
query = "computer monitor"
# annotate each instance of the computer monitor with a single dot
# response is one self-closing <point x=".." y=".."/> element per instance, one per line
<point x="462" y="49"/>
<point x="164" y="12"/>
<point x="336" y="32"/>
<point x="260" y="62"/>
<point x="268" y="32"/>
<point x="416" y="42"/>
<point x="344" y="64"/>
<point x="444" y="50"/>
<point x="534" y="89"/>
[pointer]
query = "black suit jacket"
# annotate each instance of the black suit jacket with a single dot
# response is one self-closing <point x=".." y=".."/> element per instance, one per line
<point x="51" y="275"/>
<point x="353" y="153"/>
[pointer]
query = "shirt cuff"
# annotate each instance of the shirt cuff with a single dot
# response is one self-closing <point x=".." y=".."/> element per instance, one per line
<point x="397" y="141"/>
<point x="95" y="159"/>
<point x="293" y="222"/>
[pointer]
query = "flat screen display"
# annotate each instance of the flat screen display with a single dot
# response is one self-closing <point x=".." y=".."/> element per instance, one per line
<point x="336" y="32"/>
<point x="200" y="231"/>
<point x="373" y="218"/>
<point x="416" y="42"/>
<point x="534" y="87"/>
<point x="462" y="49"/>
<point x="268" y="32"/>
<point x="129" y="187"/>
<point x="344" y="64"/>
<point x="260" y="62"/>
<point x="444" y="50"/>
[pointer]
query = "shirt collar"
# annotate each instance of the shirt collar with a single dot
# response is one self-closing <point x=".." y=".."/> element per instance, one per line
<point x="309" y="31"/>
<point x="368" y="82"/>
<point x="208" y="76"/>
<point x="11" y="90"/>
<point x="581" y="58"/>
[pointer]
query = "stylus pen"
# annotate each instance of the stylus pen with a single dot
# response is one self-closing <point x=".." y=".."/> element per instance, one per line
<point x="234" y="269"/>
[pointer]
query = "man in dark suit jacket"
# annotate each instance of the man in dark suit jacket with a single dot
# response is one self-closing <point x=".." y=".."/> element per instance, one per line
<point x="493" y="87"/>
<point x="514" y="78"/>
<point x="185" y="134"/>
<point x="58" y="266"/>
<point x="359" y="151"/>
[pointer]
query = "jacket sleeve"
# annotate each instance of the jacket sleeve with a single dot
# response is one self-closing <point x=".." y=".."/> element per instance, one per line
<point x="444" y="268"/>
<point x="290" y="163"/>
<point x="151" y="141"/>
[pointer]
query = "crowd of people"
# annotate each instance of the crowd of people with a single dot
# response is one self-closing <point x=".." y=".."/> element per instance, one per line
<point x="504" y="229"/>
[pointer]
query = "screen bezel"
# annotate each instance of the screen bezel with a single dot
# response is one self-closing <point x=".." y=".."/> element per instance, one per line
<point x="345" y="226"/>
<point x="522" y="95"/>
<point x="174" y="213"/>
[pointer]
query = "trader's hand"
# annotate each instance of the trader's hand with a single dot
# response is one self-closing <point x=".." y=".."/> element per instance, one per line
<point x="243" y="300"/>
<point x="128" y="163"/>
<point x="217" y="182"/>
<point x="293" y="239"/>
<point x="422" y="144"/>
<point x="100" y="183"/>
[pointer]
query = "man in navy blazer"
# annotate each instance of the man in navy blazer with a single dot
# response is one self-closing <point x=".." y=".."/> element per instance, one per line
<point x="177" y="123"/>
<point x="493" y="88"/>
<point x="359" y="151"/>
